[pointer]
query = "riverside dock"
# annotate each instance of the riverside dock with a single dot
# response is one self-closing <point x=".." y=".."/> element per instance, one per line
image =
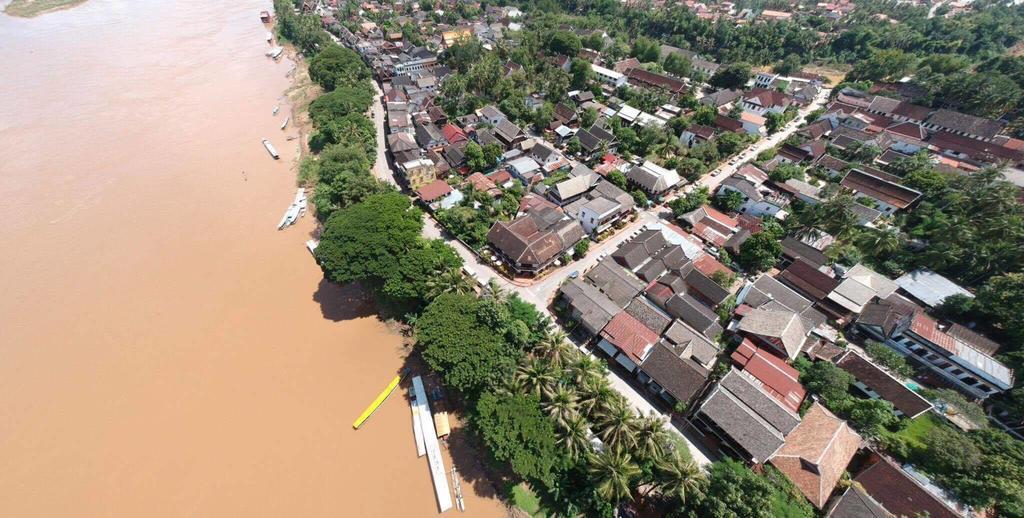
<point x="437" y="471"/>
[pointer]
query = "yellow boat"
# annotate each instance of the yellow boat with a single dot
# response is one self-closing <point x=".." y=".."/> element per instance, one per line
<point x="377" y="402"/>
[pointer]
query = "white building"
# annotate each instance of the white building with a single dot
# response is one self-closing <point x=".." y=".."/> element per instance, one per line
<point x="608" y="76"/>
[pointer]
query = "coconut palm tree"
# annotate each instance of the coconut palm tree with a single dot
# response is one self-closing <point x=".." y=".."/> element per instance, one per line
<point x="575" y="436"/>
<point x="554" y="347"/>
<point x="561" y="404"/>
<point x="536" y="376"/>
<point x="614" y="472"/>
<point x="651" y="436"/>
<point x="596" y="395"/>
<point x="676" y="476"/>
<point x="881" y="242"/>
<point x="493" y="291"/>
<point x="617" y="423"/>
<point x="584" y="368"/>
<point x="449" y="281"/>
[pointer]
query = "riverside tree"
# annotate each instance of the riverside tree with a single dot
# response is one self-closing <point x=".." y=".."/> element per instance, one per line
<point x="336" y="66"/>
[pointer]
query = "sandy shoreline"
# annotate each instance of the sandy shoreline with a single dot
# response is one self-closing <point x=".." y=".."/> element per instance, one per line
<point x="33" y="8"/>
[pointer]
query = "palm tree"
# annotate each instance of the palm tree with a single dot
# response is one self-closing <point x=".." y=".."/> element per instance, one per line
<point x="561" y="406"/>
<point x="651" y="436"/>
<point x="677" y="476"/>
<point x="596" y="395"/>
<point x="614" y="472"/>
<point x="554" y="347"/>
<point x="536" y="376"/>
<point x="881" y="242"/>
<point x="493" y="290"/>
<point x="576" y="436"/>
<point x="618" y="424"/>
<point x="449" y="281"/>
<point x="585" y="368"/>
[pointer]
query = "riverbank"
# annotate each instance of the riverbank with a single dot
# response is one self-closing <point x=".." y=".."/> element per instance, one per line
<point x="33" y="8"/>
<point x="167" y="352"/>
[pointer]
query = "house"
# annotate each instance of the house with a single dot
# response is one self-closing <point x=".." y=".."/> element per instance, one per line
<point x="775" y="16"/>
<point x="978" y="128"/>
<point x="753" y="124"/>
<point x="526" y="169"/>
<point x="419" y="172"/>
<point x="711" y="225"/>
<point x="454" y="134"/>
<point x="724" y="123"/>
<point x="627" y="340"/>
<point x="875" y="383"/>
<point x="779" y="330"/>
<point x="910" y="332"/>
<point x="596" y="141"/>
<point x="588" y="306"/>
<point x="532" y="242"/>
<point x="429" y="136"/>
<point x="759" y="199"/>
<point x="696" y="134"/>
<point x="544" y="155"/>
<point x="572" y="189"/>
<point x="761" y="101"/>
<point x="833" y="166"/>
<point x="898" y="492"/>
<point x="706" y="67"/>
<point x="816" y="130"/>
<point x="888" y="195"/>
<point x="490" y="114"/>
<point x="743" y="419"/>
<point x="508" y="134"/>
<point x="766" y="292"/>
<point x="484" y="184"/>
<point x="672" y="86"/>
<point x="777" y="378"/>
<point x="565" y="114"/>
<point x="855" y="503"/>
<point x="816" y="454"/>
<point x="675" y="368"/>
<point x="807" y="280"/>
<point x="609" y="77"/>
<point x="597" y="215"/>
<point x="860" y="285"/>
<point x="653" y="179"/>
<point x="433" y="191"/>
<point x="929" y="288"/>
<point x="620" y="285"/>
<point x="721" y="100"/>
<point x="694" y="313"/>
<point x="637" y="251"/>
<point x="765" y="79"/>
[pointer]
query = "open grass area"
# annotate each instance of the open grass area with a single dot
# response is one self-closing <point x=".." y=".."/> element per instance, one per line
<point x="524" y="499"/>
<point x="917" y="430"/>
<point x="31" y="8"/>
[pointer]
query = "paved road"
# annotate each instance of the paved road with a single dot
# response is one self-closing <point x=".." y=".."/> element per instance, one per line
<point x="542" y="292"/>
<point x="711" y="181"/>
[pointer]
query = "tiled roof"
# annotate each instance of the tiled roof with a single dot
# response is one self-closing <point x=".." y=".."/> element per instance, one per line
<point x="924" y="326"/>
<point x="694" y="313"/>
<point x="880" y="189"/>
<point x="785" y="326"/>
<point x="804" y="277"/>
<point x="613" y="280"/>
<point x="778" y="378"/>
<point x="434" y="190"/>
<point x="629" y="335"/>
<point x="595" y="308"/>
<point x="964" y="123"/>
<point x="752" y="418"/>
<point x="679" y="375"/>
<point x="652" y="317"/>
<point x="816" y="454"/>
<point x="899" y="493"/>
<point x="855" y="503"/>
<point x="884" y="384"/>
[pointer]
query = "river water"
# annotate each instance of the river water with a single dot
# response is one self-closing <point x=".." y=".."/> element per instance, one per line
<point x="164" y="351"/>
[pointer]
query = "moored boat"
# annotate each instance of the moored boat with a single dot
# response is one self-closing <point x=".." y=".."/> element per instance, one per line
<point x="285" y="123"/>
<point x="270" y="149"/>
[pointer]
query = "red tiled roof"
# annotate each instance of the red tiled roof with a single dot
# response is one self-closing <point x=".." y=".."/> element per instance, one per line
<point x="816" y="454"/>
<point x="434" y="191"/>
<point x="500" y="177"/>
<point x="453" y="133"/>
<point x="899" y="493"/>
<point x="708" y="265"/>
<point x="927" y="328"/>
<point x="779" y="379"/>
<point x="629" y="335"/>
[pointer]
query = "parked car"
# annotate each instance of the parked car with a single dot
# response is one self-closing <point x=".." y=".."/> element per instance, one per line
<point x="574" y="274"/>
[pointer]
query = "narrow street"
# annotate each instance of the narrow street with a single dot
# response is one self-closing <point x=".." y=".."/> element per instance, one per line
<point x="541" y="292"/>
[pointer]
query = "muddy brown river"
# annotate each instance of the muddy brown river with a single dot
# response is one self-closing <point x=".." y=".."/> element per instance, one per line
<point x="164" y="351"/>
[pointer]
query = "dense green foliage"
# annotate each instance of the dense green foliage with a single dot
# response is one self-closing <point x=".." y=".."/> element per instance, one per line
<point x="870" y="417"/>
<point x="736" y="491"/>
<point x="338" y="66"/>
<point x="760" y="252"/>
<point x="516" y="431"/>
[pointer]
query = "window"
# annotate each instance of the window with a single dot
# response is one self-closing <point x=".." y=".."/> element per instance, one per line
<point x="970" y="381"/>
<point x="943" y="365"/>
<point x="956" y="372"/>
